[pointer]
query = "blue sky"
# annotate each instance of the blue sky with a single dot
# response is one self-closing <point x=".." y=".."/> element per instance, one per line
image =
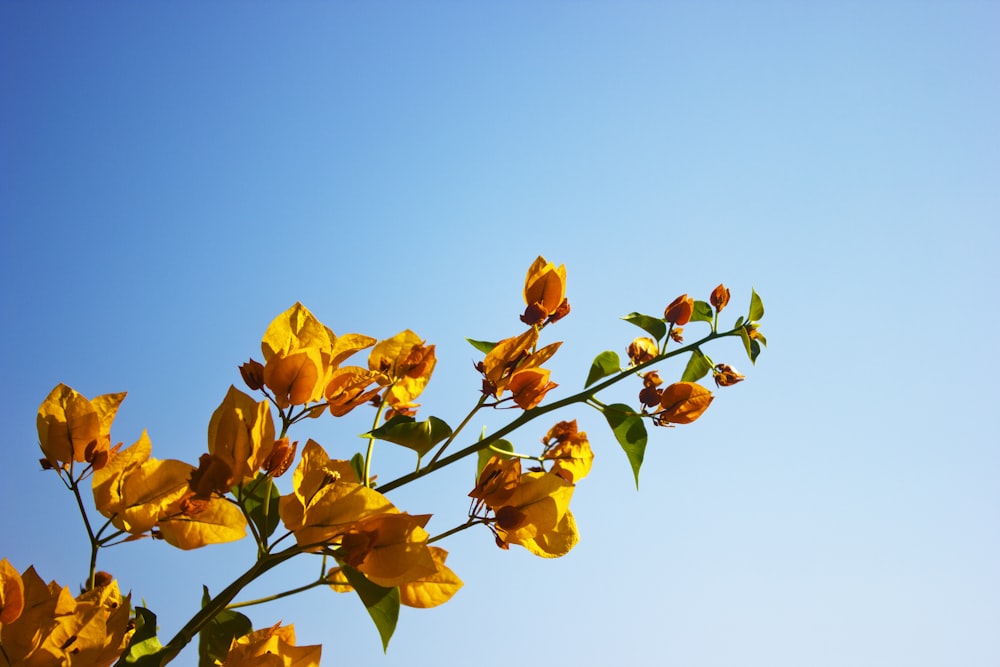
<point x="174" y="175"/>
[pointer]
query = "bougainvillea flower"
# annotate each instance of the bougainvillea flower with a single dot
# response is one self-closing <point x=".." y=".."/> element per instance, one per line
<point x="682" y="403"/>
<point x="11" y="593"/>
<point x="556" y="542"/>
<point x="535" y="509"/>
<point x="389" y="549"/>
<point x="544" y="291"/>
<point x="569" y="450"/>
<point x="300" y="353"/>
<point x="56" y="629"/>
<point x="650" y="395"/>
<point x="529" y="386"/>
<point x="726" y="376"/>
<point x="271" y="647"/>
<point x="434" y="589"/>
<point x="404" y="363"/>
<point x="719" y="297"/>
<point x="642" y="349"/>
<point x="241" y="434"/>
<point x="192" y="525"/>
<point x="281" y="457"/>
<point x="73" y="428"/>
<point x="512" y="355"/>
<point x="349" y="387"/>
<point x="497" y="481"/>
<point x="325" y="502"/>
<point x="679" y="311"/>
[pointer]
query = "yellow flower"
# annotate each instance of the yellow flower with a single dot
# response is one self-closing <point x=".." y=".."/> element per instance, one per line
<point x="56" y="629"/>
<point x="642" y="349"/>
<point x="73" y="428"/>
<point x="241" y="434"/>
<point x="529" y="386"/>
<point x="300" y="354"/>
<point x="404" y="363"/>
<point x="271" y="647"/>
<point x="569" y="450"/>
<point x="349" y="387"/>
<point x="682" y="403"/>
<point x="389" y="549"/>
<point x="544" y="292"/>
<point x="535" y="516"/>
<point x="680" y="310"/>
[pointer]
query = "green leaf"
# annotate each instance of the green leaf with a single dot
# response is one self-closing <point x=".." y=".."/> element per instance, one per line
<point x="739" y="321"/>
<point x="605" y="364"/>
<point x="261" y="503"/>
<point x="630" y="433"/>
<point x="358" y="465"/>
<point x="486" y="453"/>
<point x="382" y="603"/>
<point x="218" y="634"/>
<point x="144" y="648"/>
<point x="697" y="367"/>
<point x="702" y="312"/>
<point x="408" y="432"/>
<point x="752" y="346"/>
<point x="483" y="346"/>
<point x="756" y="307"/>
<point x="655" y="326"/>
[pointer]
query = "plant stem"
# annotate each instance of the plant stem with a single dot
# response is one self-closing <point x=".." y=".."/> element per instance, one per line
<point x="94" y="542"/>
<point x="454" y="434"/>
<point x="277" y="596"/>
<point x="534" y="413"/>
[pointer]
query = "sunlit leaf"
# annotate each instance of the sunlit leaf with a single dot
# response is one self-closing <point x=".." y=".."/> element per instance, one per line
<point x="260" y="499"/>
<point x="218" y="521"/>
<point x="654" y="326"/>
<point x="358" y="464"/>
<point x="431" y="590"/>
<point x="382" y="603"/>
<point x="697" y="367"/>
<point x="418" y="436"/>
<point x="605" y="364"/>
<point x="630" y="433"/>
<point x="702" y="312"/>
<point x="218" y="634"/>
<point x="756" y="307"/>
<point x="144" y="647"/>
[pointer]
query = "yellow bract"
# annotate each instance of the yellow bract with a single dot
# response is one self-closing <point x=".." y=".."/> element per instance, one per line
<point x="544" y="289"/>
<point x="73" y="428"/>
<point x="56" y="629"/>
<point x="300" y="354"/>
<point x="534" y="515"/>
<point x="405" y="364"/>
<point x="271" y="647"/>
<point x="11" y="593"/>
<point x="241" y="434"/>
<point x="682" y="403"/>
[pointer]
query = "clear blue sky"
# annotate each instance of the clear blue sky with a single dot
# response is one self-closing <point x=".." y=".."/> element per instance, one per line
<point x="174" y="175"/>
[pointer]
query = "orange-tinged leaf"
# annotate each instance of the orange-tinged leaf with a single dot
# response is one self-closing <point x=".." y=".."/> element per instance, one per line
<point x="545" y="285"/>
<point x="507" y="354"/>
<point x="149" y="490"/>
<point x="218" y="521"/>
<point x="556" y="542"/>
<point x="434" y="589"/>
<point x="348" y="344"/>
<point x="11" y="593"/>
<point x="298" y="377"/>
<point x="391" y="549"/>
<point x="108" y="482"/>
<point x="67" y="425"/>
<point x="683" y="402"/>
<point x="540" y="500"/>
<point x="335" y="507"/>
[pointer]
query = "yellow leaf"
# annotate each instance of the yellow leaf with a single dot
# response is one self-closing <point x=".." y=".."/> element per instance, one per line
<point x="536" y="507"/>
<point x="295" y="329"/>
<point x="107" y="482"/>
<point x="434" y="589"/>
<point x="68" y="425"/>
<point x="216" y="521"/>
<point x="149" y="490"/>
<point x="389" y="548"/>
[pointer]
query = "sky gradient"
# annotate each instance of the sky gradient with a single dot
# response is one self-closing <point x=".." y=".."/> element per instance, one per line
<point x="175" y="175"/>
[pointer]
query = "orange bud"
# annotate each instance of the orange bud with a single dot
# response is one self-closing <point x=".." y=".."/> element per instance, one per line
<point x="679" y="311"/>
<point x="682" y="403"/>
<point x="253" y="374"/>
<point x="719" y="298"/>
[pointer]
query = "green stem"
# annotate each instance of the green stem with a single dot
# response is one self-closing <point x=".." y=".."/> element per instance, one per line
<point x="454" y="434"/>
<point x="204" y="615"/>
<point x="371" y="441"/>
<point x="534" y="413"/>
<point x="457" y="529"/>
<point x="277" y="596"/>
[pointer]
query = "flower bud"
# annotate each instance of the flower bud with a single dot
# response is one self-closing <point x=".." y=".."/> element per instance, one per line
<point x="719" y="298"/>
<point x="642" y="349"/>
<point x="253" y="374"/>
<point x="679" y="311"/>
<point x="726" y="375"/>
